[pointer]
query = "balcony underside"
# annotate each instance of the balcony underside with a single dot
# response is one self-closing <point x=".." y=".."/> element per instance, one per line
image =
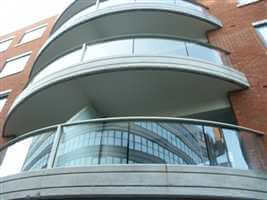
<point x="124" y="86"/>
<point x="126" y="19"/>
<point x="140" y="182"/>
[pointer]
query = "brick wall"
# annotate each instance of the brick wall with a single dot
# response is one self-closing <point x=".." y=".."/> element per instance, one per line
<point x="17" y="82"/>
<point x="248" y="55"/>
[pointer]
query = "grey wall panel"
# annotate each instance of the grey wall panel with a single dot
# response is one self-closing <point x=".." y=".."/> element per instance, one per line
<point x="137" y="180"/>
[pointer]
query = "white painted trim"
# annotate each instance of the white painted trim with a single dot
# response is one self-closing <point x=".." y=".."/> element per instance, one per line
<point x="19" y="56"/>
<point x="247" y="3"/>
<point x="259" y="23"/>
<point x="5" y="92"/>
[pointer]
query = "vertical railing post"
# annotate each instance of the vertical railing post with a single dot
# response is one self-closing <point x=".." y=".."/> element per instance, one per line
<point x="97" y="4"/>
<point x="52" y="156"/>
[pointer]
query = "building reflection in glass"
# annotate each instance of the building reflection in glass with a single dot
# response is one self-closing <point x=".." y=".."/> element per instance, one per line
<point x="126" y="142"/>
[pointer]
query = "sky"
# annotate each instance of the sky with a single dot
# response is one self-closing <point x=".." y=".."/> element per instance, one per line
<point x="16" y="14"/>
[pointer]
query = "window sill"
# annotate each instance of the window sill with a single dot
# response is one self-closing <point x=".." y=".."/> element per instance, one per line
<point x="247" y="3"/>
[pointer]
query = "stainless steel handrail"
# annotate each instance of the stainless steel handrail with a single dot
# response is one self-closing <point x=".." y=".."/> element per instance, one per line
<point x="137" y="118"/>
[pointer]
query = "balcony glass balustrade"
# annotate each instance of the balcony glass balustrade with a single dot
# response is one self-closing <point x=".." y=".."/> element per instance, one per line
<point x="133" y="140"/>
<point x="194" y="8"/>
<point x="139" y="46"/>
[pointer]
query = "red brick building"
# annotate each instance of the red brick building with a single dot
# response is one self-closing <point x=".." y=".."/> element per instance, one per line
<point x="13" y="84"/>
<point x="174" y="93"/>
<point x="248" y="54"/>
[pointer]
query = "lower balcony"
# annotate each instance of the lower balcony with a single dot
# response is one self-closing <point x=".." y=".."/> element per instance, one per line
<point x="137" y="157"/>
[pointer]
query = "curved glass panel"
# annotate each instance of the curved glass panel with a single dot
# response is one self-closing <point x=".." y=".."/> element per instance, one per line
<point x="136" y="46"/>
<point x="27" y="155"/>
<point x="109" y="49"/>
<point x="161" y="47"/>
<point x="134" y="142"/>
<point x="100" y="4"/>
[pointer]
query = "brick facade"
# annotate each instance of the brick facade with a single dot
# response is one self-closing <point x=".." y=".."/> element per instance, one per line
<point x="238" y="36"/>
<point x="248" y="55"/>
<point x="17" y="82"/>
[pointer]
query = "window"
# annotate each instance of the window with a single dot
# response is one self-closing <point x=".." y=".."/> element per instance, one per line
<point x="3" y="99"/>
<point x="33" y="34"/>
<point x="14" y="65"/>
<point x="262" y="32"/>
<point x="5" y="44"/>
<point x="245" y="2"/>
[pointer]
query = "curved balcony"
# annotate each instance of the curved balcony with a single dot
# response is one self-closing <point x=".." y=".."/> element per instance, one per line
<point x="144" y="150"/>
<point x="111" y="73"/>
<point x="116" y="18"/>
<point x="74" y="10"/>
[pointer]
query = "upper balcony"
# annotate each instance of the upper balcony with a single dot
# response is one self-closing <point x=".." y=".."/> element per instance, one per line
<point x="141" y="75"/>
<point x="114" y="18"/>
<point x="79" y="8"/>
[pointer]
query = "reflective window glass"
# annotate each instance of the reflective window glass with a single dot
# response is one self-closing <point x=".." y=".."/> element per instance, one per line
<point x="204" y="53"/>
<point x="236" y="154"/>
<point x="14" y="66"/>
<point x="108" y="3"/>
<point x="189" y="5"/>
<point x="5" y="44"/>
<point x="157" y="1"/>
<point x="159" y="47"/>
<point x="3" y="99"/>
<point x="217" y="149"/>
<point x="32" y="35"/>
<point x="61" y="63"/>
<point x="262" y="31"/>
<point x="108" y="49"/>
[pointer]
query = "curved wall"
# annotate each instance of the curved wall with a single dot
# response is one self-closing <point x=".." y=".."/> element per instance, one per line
<point x="167" y="181"/>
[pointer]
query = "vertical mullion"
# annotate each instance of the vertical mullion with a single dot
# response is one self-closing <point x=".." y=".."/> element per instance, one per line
<point x="84" y="47"/>
<point x="207" y="146"/>
<point x="52" y="156"/>
<point x="100" y="145"/>
<point x="186" y="48"/>
<point x="128" y="144"/>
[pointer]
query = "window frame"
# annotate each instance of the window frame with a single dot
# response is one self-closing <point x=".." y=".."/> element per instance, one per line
<point x="5" y="40"/>
<point x="15" y="58"/>
<point x="257" y="25"/>
<point x="247" y="2"/>
<point x="32" y="30"/>
<point x="4" y="95"/>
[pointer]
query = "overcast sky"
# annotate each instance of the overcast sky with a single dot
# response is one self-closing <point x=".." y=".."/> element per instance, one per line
<point x="16" y="14"/>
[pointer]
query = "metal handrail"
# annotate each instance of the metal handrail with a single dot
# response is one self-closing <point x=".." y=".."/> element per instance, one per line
<point x="137" y="118"/>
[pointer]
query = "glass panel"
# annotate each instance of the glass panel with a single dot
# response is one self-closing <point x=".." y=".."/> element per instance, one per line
<point x="14" y="66"/>
<point x="37" y="33"/>
<point x="159" y="47"/>
<point x="108" y="49"/>
<point x="60" y="64"/>
<point x="216" y="147"/>
<point x="108" y="3"/>
<point x="133" y="142"/>
<point x="205" y="53"/>
<point x="5" y="44"/>
<point x="171" y="147"/>
<point x="188" y="5"/>
<point x="114" y="143"/>
<point x="252" y="148"/>
<point x="157" y="1"/>
<point x="2" y="102"/>
<point x="263" y="31"/>
<point x="79" y="145"/>
<point x="80" y="15"/>
<point x="236" y="155"/>
<point x="27" y="155"/>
